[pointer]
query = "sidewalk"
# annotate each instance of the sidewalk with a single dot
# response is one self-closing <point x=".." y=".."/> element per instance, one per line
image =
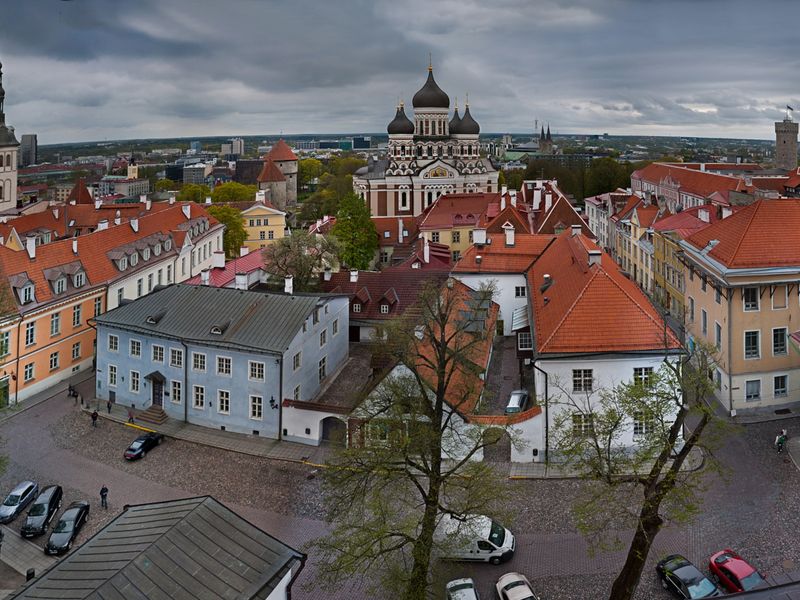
<point x="225" y="440"/>
<point x="79" y="380"/>
<point x="21" y="555"/>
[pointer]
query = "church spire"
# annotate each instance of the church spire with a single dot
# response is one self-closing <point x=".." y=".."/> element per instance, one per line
<point x="430" y="62"/>
<point x="2" y="96"/>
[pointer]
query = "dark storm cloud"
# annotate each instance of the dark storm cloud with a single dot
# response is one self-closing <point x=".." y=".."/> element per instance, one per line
<point x="100" y="69"/>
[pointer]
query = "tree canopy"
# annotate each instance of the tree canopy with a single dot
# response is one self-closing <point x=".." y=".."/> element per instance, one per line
<point x="165" y="185"/>
<point x="194" y="192"/>
<point x="234" y="235"/>
<point x="335" y="182"/>
<point x="302" y="256"/>
<point x="355" y="232"/>
<point x="234" y="192"/>
<point x="308" y="169"/>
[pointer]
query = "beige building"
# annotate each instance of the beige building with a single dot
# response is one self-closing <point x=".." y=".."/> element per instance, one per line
<point x="742" y="281"/>
<point x="263" y="224"/>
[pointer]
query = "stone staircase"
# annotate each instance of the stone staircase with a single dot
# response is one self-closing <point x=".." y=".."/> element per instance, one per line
<point x="154" y="414"/>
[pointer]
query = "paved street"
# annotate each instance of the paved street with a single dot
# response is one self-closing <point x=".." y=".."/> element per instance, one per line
<point x="752" y="507"/>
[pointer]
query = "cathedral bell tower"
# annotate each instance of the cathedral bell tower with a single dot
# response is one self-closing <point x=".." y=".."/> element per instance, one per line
<point x="9" y="146"/>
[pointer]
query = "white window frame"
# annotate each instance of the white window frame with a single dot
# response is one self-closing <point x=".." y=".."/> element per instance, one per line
<point x="230" y="366"/>
<point x="758" y="345"/>
<point x="173" y="353"/>
<point x="747" y="397"/>
<point x="199" y="363"/>
<point x="356" y="307"/>
<point x="29" y="372"/>
<point x="112" y="376"/>
<point x="297" y="361"/>
<point x="323" y="338"/>
<point x="176" y="398"/>
<point x="113" y="343"/>
<point x="153" y="357"/>
<point x="644" y="423"/>
<point x="322" y="368"/>
<point x="296" y="393"/>
<point x="524" y="335"/>
<point x="198" y="394"/>
<point x="335" y="326"/>
<point x="785" y="393"/>
<point x="718" y="335"/>
<point x="54" y="360"/>
<point x="785" y="341"/>
<point x="77" y="315"/>
<point x="227" y="399"/>
<point x="134" y="383"/>
<point x="55" y="324"/>
<point x="580" y="375"/>
<point x="520" y="291"/>
<point x="76" y="347"/>
<point x="256" y="401"/>
<point x="251" y="364"/>
<point x="581" y="424"/>
<point x="744" y="299"/>
<point x="137" y="344"/>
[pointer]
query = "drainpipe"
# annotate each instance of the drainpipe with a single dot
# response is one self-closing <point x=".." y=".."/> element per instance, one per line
<point x="730" y="355"/>
<point x="546" y="415"/>
<point x="16" y="369"/>
<point x="280" y="397"/>
<point x="185" y="383"/>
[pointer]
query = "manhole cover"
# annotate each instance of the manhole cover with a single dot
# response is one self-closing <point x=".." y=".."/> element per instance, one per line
<point x="783" y="411"/>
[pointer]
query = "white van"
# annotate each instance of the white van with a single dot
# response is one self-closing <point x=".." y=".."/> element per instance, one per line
<point x="475" y="538"/>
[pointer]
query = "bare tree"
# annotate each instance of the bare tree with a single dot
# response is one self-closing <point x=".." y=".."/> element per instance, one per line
<point x="671" y="417"/>
<point x="413" y="454"/>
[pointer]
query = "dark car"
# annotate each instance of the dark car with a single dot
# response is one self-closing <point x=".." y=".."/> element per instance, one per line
<point x="67" y="528"/>
<point x="684" y="580"/>
<point x="142" y="445"/>
<point x="734" y="573"/>
<point x="42" y="511"/>
<point x="17" y="500"/>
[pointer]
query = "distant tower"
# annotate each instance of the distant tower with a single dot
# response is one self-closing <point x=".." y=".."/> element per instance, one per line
<point x="8" y="157"/>
<point x="133" y="168"/>
<point x="786" y="142"/>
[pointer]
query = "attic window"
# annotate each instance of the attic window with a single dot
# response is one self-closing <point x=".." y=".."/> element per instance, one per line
<point x="157" y="249"/>
<point x="151" y="320"/>
<point x="384" y="309"/>
<point x="386" y="234"/>
<point x="167" y="244"/>
<point x="27" y="293"/>
<point x="60" y="285"/>
<point x="216" y="330"/>
<point x="122" y="263"/>
<point x="356" y="307"/>
<point x="134" y="259"/>
<point x="146" y="254"/>
<point x="79" y="279"/>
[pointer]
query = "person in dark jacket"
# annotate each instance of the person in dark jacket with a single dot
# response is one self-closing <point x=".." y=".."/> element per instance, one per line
<point x="94" y="418"/>
<point x="104" y="497"/>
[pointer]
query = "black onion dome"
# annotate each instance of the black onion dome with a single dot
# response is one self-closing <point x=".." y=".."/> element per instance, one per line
<point x="400" y="123"/>
<point x="455" y="122"/>
<point x="431" y="95"/>
<point x="468" y="125"/>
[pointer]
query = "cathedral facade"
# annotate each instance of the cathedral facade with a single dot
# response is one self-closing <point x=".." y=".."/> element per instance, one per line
<point x="434" y="154"/>
<point x="9" y="146"/>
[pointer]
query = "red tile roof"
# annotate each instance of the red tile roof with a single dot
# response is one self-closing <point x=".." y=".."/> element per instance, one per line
<point x="496" y="257"/>
<point x="691" y="181"/>
<point x="458" y="210"/>
<point x="590" y="309"/>
<point x="516" y="215"/>
<point x="625" y="211"/>
<point x="762" y="234"/>
<point x="80" y="194"/>
<point x="687" y="222"/>
<point x="270" y="172"/>
<point x="248" y="263"/>
<point x="391" y="226"/>
<point x="93" y="252"/>
<point x="280" y="151"/>
<point x="562" y="215"/>
<point x="646" y="215"/>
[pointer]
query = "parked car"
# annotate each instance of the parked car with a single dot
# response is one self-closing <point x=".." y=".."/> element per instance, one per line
<point x="16" y="501"/>
<point x="461" y="589"/>
<point x="42" y="511"/>
<point x="684" y="580"/>
<point x="68" y="526"/>
<point x="515" y="586"/>
<point x="734" y="573"/>
<point x="475" y="538"/>
<point x="517" y="402"/>
<point x="142" y="445"/>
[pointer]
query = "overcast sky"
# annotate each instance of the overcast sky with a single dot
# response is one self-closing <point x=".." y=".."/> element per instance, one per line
<point x="82" y="70"/>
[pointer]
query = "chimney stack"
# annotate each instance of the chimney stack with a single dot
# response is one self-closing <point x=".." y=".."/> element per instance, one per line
<point x="143" y="198"/>
<point x="576" y="230"/>
<point x="103" y="224"/>
<point x="172" y="198"/>
<point x="55" y="213"/>
<point x="513" y="194"/>
<point x="548" y="201"/>
<point x="594" y="257"/>
<point x="478" y="259"/>
<point x="327" y="274"/>
<point x="399" y="231"/>
<point x="205" y="277"/>
<point x="241" y="281"/>
<point x="74" y="245"/>
<point x="135" y="224"/>
<point x="218" y="260"/>
<point x="261" y="196"/>
<point x="148" y="205"/>
<point x="479" y="236"/>
<point x="353" y="276"/>
<point x="503" y="201"/>
<point x="244" y="251"/>
<point x="426" y="251"/>
<point x="288" y="284"/>
<point x="208" y="200"/>
<point x="503" y="190"/>
<point x="537" y="198"/>
<point x="98" y="204"/>
<point x="117" y="218"/>
<point x="30" y="246"/>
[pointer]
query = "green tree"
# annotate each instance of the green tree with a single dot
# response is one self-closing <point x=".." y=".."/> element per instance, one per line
<point x="666" y="403"/>
<point x="606" y="175"/>
<point x="501" y="178"/>
<point x="385" y="500"/>
<point x="308" y="169"/>
<point x="194" y="192"/>
<point x="234" y="235"/>
<point x="302" y="256"/>
<point x="234" y="192"/>
<point x="355" y="232"/>
<point x="165" y="185"/>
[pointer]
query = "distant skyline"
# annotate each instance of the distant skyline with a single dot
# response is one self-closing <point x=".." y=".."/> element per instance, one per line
<point x="91" y="70"/>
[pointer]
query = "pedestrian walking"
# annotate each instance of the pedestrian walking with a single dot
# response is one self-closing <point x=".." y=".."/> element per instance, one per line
<point x="94" y="418"/>
<point x="108" y="406"/>
<point x="104" y="497"/>
<point x="130" y="416"/>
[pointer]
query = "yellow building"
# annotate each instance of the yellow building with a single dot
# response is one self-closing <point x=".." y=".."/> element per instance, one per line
<point x="263" y="224"/>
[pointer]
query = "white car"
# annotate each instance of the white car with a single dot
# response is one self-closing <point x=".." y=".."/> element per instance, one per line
<point x="461" y="589"/>
<point x="515" y="586"/>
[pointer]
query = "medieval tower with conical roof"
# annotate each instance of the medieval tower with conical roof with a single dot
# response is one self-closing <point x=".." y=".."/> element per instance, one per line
<point x="429" y="155"/>
<point x="9" y="146"/>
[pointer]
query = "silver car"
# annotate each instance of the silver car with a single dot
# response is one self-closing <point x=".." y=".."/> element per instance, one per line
<point x="461" y="589"/>
<point x="518" y="402"/>
<point x="515" y="586"/>
<point x="16" y="501"/>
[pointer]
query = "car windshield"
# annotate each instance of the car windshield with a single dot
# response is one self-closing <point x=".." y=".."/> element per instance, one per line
<point x="461" y="586"/>
<point x="63" y="526"/>
<point x="497" y="534"/>
<point x="752" y="581"/>
<point x="38" y="510"/>
<point x="513" y="584"/>
<point x="701" y="588"/>
<point x="137" y="444"/>
<point x="11" y="500"/>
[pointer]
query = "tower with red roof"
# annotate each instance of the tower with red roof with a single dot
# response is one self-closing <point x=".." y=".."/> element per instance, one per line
<point x="282" y="156"/>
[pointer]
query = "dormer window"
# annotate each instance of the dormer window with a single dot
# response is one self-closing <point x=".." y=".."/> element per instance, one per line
<point x="79" y="279"/>
<point x="384" y="309"/>
<point x="356" y="307"/>
<point x="146" y="254"/>
<point x="151" y="320"/>
<point x="122" y="263"/>
<point x="60" y="285"/>
<point x="134" y="259"/>
<point x="26" y="293"/>
<point x="216" y="330"/>
<point x="157" y="249"/>
<point x="167" y="244"/>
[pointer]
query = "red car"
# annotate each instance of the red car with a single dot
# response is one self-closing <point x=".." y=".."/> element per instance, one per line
<point x="734" y="573"/>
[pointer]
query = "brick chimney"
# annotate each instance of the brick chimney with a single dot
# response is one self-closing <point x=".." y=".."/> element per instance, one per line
<point x="576" y="230"/>
<point x="595" y="257"/>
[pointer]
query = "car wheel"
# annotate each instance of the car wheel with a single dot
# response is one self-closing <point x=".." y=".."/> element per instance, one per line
<point x="144" y="453"/>
<point x="495" y="560"/>
<point x="69" y="545"/>
<point x="158" y="441"/>
<point x="664" y="584"/>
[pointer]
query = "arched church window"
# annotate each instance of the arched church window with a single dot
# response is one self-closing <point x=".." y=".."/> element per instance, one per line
<point x="403" y="200"/>
<point x="450" y="151"/>
<point x="419" y="151"/>
<point x="439" y="150"/>
<point x="1" y="160"/>
<point x="430" y="198"/>
<point x="1" y="191"/>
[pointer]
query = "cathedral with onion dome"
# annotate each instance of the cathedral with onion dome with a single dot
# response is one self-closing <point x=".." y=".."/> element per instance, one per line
<point x="435" y="153"/>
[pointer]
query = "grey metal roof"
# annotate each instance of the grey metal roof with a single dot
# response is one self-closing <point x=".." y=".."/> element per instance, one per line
<point x="190" y="548"/>
<point x="249" y="320"/>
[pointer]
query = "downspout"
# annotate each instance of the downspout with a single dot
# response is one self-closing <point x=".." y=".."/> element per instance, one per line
<point x="546" y="415"/>
<point x="185" y="383"/>
<point x="730" y="355"/>
<point x="16" y="369"/>
<point x="280" y="397"/>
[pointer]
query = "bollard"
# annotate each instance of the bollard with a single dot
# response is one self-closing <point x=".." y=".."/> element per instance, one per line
<point x="30" y="574"/>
